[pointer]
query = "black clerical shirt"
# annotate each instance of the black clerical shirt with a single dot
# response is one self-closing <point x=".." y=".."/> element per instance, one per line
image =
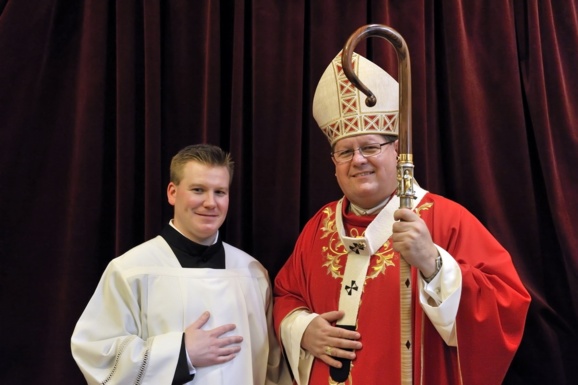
<point x="194" y="255"/>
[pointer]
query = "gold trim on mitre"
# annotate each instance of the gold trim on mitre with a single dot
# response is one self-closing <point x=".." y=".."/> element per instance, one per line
<point x="339" y="107"/>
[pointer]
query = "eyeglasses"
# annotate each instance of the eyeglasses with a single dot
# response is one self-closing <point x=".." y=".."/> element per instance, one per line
<point x="366" y="151"/>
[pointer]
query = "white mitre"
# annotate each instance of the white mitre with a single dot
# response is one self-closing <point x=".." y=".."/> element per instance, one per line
<point x="339" y="107"/>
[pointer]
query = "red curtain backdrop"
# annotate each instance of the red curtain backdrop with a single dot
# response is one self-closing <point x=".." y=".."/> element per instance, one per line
<point x="96" y="96"/>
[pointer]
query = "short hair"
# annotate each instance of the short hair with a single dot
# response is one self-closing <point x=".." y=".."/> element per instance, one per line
<point x="206" y="154"/>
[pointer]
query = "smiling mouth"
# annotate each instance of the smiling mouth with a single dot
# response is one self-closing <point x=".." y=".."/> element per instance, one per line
<point x="206" y="215"/>
<point x="361" y="174"/>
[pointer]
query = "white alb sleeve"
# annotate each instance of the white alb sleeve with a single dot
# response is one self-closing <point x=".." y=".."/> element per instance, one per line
<point x="440" y="298"/>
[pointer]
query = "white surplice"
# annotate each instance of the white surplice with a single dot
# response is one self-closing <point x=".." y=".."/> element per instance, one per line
<point x="131" y="330"/>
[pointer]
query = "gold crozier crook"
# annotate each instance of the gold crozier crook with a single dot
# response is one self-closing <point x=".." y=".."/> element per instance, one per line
<point x="405" y="167"/>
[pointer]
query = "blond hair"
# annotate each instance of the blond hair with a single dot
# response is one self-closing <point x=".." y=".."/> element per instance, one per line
<point x="206" y="154"/>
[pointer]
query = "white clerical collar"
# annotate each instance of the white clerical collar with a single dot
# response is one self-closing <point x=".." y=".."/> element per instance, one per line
<point x="374" y="210"/>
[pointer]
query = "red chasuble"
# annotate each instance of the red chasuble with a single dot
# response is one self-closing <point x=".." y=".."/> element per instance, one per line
<point x="490" y="319"/>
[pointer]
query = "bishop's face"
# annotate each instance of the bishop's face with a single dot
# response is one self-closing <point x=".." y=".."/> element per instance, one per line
<point x="201" y="201"/>
<point x="367" y="181"/>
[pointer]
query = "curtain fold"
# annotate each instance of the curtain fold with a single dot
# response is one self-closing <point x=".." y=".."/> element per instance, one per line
<point x="96" y="96"/>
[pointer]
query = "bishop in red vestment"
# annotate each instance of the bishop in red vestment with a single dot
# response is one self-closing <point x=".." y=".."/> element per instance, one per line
<point x="338" y="298"/>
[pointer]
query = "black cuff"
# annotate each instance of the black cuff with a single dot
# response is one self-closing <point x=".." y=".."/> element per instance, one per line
<point x="182" y="374"/>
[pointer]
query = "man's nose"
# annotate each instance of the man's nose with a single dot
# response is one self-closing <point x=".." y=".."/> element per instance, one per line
<point x="209" y="200"/>
<point x="357" y="155"/>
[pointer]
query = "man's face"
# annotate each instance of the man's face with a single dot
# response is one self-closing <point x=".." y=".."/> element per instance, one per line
<point x="201" y="201"/>
<point x="367" y="182"/>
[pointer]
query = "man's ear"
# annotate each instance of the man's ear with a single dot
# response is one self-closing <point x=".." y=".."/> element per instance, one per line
<point x="171" y="193"/>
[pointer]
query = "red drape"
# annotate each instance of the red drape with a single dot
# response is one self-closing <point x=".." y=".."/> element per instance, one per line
<point x="96" y="96"/>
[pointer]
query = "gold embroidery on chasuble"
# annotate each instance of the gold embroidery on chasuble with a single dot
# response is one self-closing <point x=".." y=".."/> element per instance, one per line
<point x="425" y="206"/>
<point x="335" y="253"/>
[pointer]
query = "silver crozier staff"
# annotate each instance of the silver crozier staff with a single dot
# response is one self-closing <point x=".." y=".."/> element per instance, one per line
<point x="405" y="166"/>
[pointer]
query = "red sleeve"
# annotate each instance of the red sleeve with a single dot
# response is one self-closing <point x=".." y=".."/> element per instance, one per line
<point x="494" y="302"/>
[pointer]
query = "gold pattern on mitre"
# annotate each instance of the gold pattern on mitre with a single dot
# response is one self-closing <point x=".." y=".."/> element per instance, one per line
<point x="339" y="107"/>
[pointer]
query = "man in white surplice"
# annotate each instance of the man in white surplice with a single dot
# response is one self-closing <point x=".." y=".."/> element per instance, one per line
<point x="184" y="307"/>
